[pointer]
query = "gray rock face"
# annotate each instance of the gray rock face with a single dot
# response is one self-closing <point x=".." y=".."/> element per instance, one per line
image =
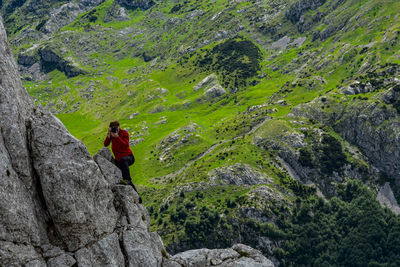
<point x="20" y="228"/>
<point x="238" y="255"/>
<point x="63" y="260"/>
<point x="387" y="199"/>
<point x="238" y="174"/>
<point x="105" y="252"/>
<point x="26" y="60"/>
<point x="210" y="87"/>
<point x="357" y="88"/>
<point x="373" y="128"/>
<point x="49" y="60"/>
<point x="134" y="4"/>
<point x="58" y="206"/>
<point x="297" y="9"/>
<point x="116" y="13"/>
<point x="75" y="191"/>
<point x="67" y="13"/>
<point x="105" y="161"/>
<point x="140" y="250"/>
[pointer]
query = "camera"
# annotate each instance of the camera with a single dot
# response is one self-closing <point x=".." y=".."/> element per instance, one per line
<point x="114" y="129"/>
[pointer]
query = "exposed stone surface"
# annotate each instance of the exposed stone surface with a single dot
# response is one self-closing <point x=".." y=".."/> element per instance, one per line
<point x="59" y="206"/>
<point x="386" y="198"/>
<point x="140" y="250"/>
<point x="116" y="13"/>
<point x="177" y="139"/>
<point x="76" y="193"/>
<point x="105" y="161"/>
<point x="357" y="88"/>
<point x="26" y="60"/>
<point x="50" y="60"/>
<point x="238" y="174"/>
<point x="66" y="13"/>
<point x="105" y="153"/>
<point x="134" y="4"/>
<point x="368" y="125"/>
<point x="297" y="9"/>
<point x="238" y="255"/>
<point x="63" y="260"/>
<point x="105" y="252"/>
<point x="126" y="201"/>
<point x="211" y="88"/>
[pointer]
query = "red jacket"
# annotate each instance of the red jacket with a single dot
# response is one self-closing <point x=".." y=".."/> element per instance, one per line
<point x="120" y="145"/>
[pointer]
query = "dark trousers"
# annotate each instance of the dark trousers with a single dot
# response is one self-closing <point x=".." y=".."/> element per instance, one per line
<point x="123" y="165"/>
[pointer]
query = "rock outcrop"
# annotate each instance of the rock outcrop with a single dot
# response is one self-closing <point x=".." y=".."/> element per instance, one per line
<point x="67" y="13"/>
<point x="50" y="60"/>
<point x="116" y="13"/>
<point x="211" y="88"/>
<point x="296" y="10"/>
<point x="134" y="4"/>
<point x="59" y="206"/>
<point x="238" y="174"/>
<point x="238" y="255"/>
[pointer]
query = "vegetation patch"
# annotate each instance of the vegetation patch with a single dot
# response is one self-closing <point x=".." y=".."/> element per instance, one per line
<point x="349" y="230"/>
<point x="234" y="60"/>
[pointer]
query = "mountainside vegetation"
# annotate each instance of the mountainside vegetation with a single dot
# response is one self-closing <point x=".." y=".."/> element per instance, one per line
<point x="267" y="122"/>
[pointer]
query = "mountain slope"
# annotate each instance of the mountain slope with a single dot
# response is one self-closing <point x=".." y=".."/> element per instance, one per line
<point x="235" y="109"/>
<point x="61" y="207"/>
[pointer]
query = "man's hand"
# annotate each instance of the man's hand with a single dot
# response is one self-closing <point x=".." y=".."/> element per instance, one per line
<point x="114" y="135"/>
<point x="109" y="132"/>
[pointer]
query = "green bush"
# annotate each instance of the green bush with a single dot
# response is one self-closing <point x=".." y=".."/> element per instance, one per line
<point x="305" y="157"/>
<point x="332" y="157"/>
<point x="234" y="60"/>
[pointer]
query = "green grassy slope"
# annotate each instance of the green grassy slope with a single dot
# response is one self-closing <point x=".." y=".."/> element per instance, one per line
<point x="143" y="72"/>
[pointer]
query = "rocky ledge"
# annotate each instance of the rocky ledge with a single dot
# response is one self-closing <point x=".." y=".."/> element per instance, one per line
<point x="61" y="207"/>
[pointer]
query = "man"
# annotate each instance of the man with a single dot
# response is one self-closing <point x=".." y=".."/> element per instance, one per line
<point x="122" y="152"/>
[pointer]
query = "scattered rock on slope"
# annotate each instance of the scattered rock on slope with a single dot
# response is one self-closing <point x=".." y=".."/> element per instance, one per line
<point x="58" y="206"/>
<point x="50" y="60"/>
<point x="211" y="88"/>
<point x="134" y="4"/>
<point x="238" y="255"/>
<point x="238" y="174"/>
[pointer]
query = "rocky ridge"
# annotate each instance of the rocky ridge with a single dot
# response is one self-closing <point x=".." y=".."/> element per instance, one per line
<point x="61" y="207"/>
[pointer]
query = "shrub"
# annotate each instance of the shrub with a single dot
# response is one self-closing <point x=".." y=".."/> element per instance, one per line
<point x="305" y="157"/>
<point x="235" y="60"/>
<point x="332" y="157"/>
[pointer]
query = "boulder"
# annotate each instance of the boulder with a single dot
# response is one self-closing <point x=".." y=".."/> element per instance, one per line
<point x="211" y="88"/>
<point x="238" y="255"/>
<point x="140" y="249"/>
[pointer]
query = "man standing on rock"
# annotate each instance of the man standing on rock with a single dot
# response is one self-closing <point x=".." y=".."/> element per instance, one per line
<point x="121" y="150"/>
